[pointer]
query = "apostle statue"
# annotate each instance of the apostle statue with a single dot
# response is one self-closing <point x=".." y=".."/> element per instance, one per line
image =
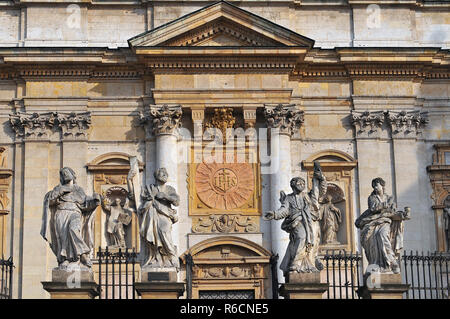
<point x="331" y="218"/>
<point x="118" y="216"/>
<point x="67" y="221"/>
<point x="156" y="216"/>
<point x="381" y="228"/>
<point x="300" y="211"/>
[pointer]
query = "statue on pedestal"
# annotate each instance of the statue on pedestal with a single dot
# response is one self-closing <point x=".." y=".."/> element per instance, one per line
<point x="446" y="215"/>
<point x="156" y="217"/>
<point x="382" y="229"/>
<point x="300" y="211"/>
<point x="67" y="221"/>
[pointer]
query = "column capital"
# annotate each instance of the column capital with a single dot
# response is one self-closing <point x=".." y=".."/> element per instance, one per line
<point x="285" y="117"/>
<point x="74" y="125"/>
<point x="33" y="126"/>
<point x="406" y="124"/>
<point x="165" y="119"/>
<point x="367" y="123"/>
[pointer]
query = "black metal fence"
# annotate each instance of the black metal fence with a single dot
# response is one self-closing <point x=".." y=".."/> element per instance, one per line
<point x="427" y="274"/>
<point x="343" y="274"/>
<point x="117" y="273"/>
<point x="7" y="267"/>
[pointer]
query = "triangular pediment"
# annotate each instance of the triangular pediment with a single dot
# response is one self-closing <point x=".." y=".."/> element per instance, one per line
<point x="220" y="24"/>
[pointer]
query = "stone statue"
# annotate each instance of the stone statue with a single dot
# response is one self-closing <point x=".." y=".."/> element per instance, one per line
<point x="300" y="211"/>
<point x="67" y="221"/>
<point x="381" y="228"/>
<point x="446" y="215"/>
<point x="156" y="217"/>
<point x="331" y="218"/>
<point x="118" y="216"/>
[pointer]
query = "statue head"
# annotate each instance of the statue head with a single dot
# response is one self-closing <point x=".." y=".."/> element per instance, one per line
<point x="161" y="175"/>
<point x="298" y="184"/>
<point x="66" y="174"/>
<point x="378" y="185"/>
<point x="117" y="201"/>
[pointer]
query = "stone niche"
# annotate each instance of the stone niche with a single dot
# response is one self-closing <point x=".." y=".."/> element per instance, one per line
<point x="439" y="173"/>
<point x="338" y="168"/>
<point x="226" y="265"/>
<point x="110" y="180"/>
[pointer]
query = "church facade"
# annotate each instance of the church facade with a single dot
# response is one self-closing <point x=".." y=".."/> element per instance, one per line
<point x="362" y="87"/>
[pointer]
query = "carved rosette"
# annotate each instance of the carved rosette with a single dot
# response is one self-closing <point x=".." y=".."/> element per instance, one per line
<point x="407" y="122"/>
<point x="32" y="125"/>
<point x="367" y="122"/>
<point x="74" y="125"/>
<point x="224" y="223"/>
<point x="164" y="119"/>
<point x="224" y="185"/>
<point x="287" y="118"/>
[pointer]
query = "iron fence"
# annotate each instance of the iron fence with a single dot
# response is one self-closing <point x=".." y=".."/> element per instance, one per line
<point x="343" y="274"/>
<point x="427" y="274"/>
<point x="117" y="273"/>
<point x="6" y="278"/>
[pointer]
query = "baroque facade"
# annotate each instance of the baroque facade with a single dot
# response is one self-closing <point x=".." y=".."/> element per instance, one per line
<point x="363" y="87"/>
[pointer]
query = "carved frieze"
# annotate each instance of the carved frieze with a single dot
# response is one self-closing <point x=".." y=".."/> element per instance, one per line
<point x="164" y="119"/>
<point x="225" y="223"/>
<point x="286" y="118"/>
<point x="228" y="271"/>
<point x="406" y="122"/>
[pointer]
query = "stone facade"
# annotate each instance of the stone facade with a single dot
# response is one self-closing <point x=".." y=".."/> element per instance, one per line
<point x="79" y="81"/>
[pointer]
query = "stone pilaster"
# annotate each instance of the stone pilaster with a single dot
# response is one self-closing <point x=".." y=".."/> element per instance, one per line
<point x="283" y="121"/>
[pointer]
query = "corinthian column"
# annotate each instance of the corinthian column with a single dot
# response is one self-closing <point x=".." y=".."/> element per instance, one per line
<point x="283" y="121"/>
<point x="165" y="122"/>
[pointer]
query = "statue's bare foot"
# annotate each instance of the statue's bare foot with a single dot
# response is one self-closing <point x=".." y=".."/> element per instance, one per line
<point x="85" y="260"/>
<point x="64" y="264"/>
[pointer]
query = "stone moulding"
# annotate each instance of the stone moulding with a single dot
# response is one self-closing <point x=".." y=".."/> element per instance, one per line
<point x="40" y="125"/>
<point x="224" y="223"/>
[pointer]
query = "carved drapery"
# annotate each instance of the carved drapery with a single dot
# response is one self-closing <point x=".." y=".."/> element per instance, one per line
<point x="439" y="173"/>
<point x="287" y="118"/>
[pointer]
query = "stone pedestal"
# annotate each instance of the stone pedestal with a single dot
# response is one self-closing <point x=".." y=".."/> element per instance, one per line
<point x="77" y="283"/>
<point x="383" y="286"/>
<point x="303" y="286"/>
<point x="159" y="284"/>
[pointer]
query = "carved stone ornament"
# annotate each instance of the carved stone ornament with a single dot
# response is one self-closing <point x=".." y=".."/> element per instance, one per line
<point x="367" y="122"/>
<point x="222" y="120"/>
<point x="407" y="122"/>
<point x="224" y="185"/>
<point x="228" y="271"/>
<point x="32" y="125"/>
<point x="286" y="118"/>
<point x="39" y="125"/>
<point x="165" y="119"/>
<point x="224" y="224"/>
<point x="74" y="125"/>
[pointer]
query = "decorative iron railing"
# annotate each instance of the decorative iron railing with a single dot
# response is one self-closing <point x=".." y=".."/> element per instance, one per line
<point x="427" y="274"/>
<point x="343" y="274"/>
<point x="7" y="267"/>
<point x="117" y="273"/>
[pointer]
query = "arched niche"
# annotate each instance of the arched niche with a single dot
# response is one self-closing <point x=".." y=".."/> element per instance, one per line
<point x="338" y="168"/>
<point x="110" y="172"/>
<point x="226" y="264"/>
